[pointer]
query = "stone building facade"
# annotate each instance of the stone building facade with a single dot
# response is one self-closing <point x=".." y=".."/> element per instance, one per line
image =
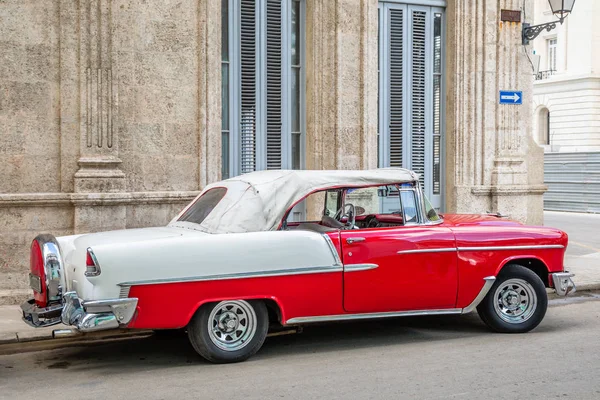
<point x="115" y="113"/>
<point x="566" y="91"/>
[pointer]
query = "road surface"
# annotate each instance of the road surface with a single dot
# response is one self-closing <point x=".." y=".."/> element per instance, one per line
<point x="450" y="357"/>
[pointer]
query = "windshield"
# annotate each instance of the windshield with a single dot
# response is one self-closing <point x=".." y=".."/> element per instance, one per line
<point x="203" y="206"/>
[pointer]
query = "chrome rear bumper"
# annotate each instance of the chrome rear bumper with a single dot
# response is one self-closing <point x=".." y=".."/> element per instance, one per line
<point x="563" y="284"/>
<point x="39" y="317"/>
<point x="97" y="315"/>
<point x="85" y="316"/>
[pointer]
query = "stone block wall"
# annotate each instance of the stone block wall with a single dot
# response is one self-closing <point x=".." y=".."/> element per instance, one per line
<point x="109" y="118"/>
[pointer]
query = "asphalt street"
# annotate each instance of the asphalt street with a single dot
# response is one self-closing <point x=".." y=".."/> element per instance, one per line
<point x="451" y="357"/>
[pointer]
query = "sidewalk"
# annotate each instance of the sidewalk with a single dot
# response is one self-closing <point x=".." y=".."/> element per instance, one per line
<point x="15" y="334"/>
<point x="582" y="259"/>
<point x="583" y="252"/>
<point x="13" y="329"/>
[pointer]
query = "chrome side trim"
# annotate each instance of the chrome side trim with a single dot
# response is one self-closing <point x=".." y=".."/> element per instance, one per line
<point x="489" y="281"/>
<point x="359" y="267"/>
<point x="240" y="275"/>
<point x="442" y="250"/>
<point x="534" y="247"/>
<point x="351" y="317"/>
<point x="336" y="256"/>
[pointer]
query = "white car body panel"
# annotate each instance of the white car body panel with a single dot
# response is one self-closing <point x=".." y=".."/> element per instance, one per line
<point x="162" y="255"/>
<point x="74" y="248"/>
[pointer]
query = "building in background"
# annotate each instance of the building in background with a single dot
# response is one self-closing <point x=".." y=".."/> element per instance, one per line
<point x="115" y="113"/>
<point x="566" y="106"/>
<point x="566" y="91"/>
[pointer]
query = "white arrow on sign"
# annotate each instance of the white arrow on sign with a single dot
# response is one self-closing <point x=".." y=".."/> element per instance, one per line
<point x="514" y="97"/>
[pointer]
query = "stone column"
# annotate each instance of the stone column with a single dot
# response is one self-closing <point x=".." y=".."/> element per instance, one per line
<point x="341" y="84"/>
<point x="99" y="161"/>
<point x="209" y="89"/>
<point x="492" y="162"/>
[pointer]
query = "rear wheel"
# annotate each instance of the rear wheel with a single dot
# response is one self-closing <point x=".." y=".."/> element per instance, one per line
<point x="517" y="301"/>
<point x="229" y="331"/>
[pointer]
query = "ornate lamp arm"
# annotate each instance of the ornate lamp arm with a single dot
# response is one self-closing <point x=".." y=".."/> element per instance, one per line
<point x="531" y="32"/>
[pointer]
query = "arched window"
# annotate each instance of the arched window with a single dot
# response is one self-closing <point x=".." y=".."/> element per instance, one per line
<point x="544" y="126"/>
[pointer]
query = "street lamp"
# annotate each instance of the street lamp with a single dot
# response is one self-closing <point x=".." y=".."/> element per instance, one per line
<point x="560" y="8"/>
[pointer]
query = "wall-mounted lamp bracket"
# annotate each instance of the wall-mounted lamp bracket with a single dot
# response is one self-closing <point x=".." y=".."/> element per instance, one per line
<point x="531" y="32"/>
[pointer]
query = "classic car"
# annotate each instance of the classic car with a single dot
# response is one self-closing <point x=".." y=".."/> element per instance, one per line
<point x="289" y="248"/>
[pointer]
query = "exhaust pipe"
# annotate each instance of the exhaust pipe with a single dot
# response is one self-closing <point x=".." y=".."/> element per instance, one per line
<point x="64" y="333"/>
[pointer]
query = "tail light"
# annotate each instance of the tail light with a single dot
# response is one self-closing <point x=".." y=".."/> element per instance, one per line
<point x="91" y="264"/>
<point x="46" y="270"/>
<point x="37" y="276"/>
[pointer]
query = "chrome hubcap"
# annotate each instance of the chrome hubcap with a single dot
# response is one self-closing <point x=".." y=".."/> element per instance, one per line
<point x="232" y="324"/>
<point x="515" y="301"/>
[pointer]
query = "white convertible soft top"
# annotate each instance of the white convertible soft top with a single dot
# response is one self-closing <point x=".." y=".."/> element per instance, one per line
<point x="259" y="200"/>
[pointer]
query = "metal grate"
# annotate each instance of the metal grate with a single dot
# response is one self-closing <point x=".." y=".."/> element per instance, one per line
<point x="248" y="85"/>
<point x="418" y="83"/>
<point x="573" y="181"/>
<point x="274" y="110"/>
<point x="396" y="108"/>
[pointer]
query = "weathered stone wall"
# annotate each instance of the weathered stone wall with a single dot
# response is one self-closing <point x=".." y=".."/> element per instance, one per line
<point x="109" y="117"/>
<point x="29" y="97"/>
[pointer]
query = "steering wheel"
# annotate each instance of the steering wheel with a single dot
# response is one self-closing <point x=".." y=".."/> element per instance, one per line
<point x="371" y="221"/>
<point x="347" y="210"/>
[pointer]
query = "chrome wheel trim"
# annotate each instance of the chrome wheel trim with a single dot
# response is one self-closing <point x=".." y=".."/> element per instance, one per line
<point x="232" y="324"/>
<point x="515" y="301"/>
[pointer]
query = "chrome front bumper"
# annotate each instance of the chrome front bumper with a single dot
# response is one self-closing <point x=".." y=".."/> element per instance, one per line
<point x="86" y="316"/>
<point x="563" y="284"/>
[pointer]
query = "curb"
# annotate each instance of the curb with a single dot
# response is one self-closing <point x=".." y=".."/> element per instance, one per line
<point x="590" y="287"/>
<point x="46" y="342"/>
<point x="37" y="343"/>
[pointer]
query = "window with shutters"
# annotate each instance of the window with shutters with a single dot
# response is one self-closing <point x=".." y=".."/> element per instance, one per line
<point x="263" y="85"/>
<point x="552" y="54"/>
<point x="410" y="92"/>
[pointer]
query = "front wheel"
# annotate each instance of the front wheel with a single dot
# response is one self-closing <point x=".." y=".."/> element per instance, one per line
<point x="229" y="331"/>
<point x="516" y="303"/>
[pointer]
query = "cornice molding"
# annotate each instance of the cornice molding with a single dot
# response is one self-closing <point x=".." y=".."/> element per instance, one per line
<point x="94" y="199"/>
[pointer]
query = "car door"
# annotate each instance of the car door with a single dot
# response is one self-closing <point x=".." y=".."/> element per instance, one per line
<point x="398" y="269"/>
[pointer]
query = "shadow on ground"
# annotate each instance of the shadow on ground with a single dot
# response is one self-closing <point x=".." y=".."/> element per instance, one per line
<point x="174" y="351"/>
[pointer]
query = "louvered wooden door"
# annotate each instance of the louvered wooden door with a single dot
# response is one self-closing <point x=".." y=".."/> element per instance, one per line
<point x="410" y="101"/>
<point x="265" y="91"/>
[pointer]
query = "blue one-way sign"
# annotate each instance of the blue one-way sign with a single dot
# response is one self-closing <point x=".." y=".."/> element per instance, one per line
<point x="511" y="97"/>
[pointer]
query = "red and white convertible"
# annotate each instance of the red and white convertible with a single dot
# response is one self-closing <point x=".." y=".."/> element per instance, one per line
<point x="234" y="262"/>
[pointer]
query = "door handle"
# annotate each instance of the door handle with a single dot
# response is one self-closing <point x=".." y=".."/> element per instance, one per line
<point x="355" y="240"/>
